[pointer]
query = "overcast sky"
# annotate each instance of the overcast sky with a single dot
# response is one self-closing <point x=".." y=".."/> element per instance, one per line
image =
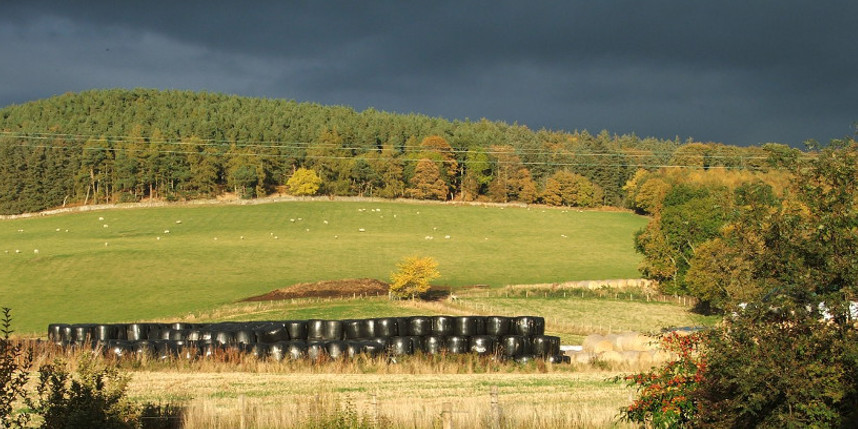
<point x="737" y="72"/>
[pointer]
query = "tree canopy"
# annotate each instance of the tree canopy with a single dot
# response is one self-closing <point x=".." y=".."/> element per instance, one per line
<point x="129" y="145"/>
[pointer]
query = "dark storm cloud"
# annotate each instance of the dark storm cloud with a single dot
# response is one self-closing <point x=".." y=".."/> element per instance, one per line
<point x="737" y="72"/>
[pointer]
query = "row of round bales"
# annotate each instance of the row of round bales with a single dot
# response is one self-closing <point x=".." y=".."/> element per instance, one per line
<point x="521" y="338"/>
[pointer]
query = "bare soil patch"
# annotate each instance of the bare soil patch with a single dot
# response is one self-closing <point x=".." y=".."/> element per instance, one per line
<point x="345" y="288"/>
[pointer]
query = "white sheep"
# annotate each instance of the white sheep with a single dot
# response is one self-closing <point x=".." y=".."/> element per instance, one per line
<point x="105" y="225"/>
<point x="428" y="237"/>
<point x="361" y="230"/>
<point x="36" y="251"/>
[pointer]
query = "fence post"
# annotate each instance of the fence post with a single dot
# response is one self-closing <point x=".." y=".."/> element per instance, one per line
<point x="446" y="416"/>
<point x="496" y="411"/>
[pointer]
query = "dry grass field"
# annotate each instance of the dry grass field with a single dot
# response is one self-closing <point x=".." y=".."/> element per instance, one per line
<point x="286" y="400"/>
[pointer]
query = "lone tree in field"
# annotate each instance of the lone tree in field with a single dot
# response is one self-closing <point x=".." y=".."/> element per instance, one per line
<point x="304" y="182"/>
<point x="413" y="276"/>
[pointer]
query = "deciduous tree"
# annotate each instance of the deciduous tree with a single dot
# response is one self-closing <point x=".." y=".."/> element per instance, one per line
<point x="304" y="182"/>
<point x="413" y="276"/>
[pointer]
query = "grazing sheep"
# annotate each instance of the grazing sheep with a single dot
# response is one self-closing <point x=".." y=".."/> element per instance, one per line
<point x="447" y="237"/>
<point x="361" y="230"/>
<point x="105" y="225"/>
<point x="178" y="221"/>
<point x="100" y="218"/>
<point x="36" y="251"/>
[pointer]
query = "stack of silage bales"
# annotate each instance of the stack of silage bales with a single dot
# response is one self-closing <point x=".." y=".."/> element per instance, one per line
<point x="520" y="338"/>
<point x="627" y="347"/>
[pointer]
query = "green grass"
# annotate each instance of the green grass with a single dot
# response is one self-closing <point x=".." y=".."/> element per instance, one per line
<point x="573" y="318"/>
<point x="85" y="272"/>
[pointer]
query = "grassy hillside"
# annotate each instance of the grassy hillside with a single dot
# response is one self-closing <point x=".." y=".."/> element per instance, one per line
<point x="123" y="265"/>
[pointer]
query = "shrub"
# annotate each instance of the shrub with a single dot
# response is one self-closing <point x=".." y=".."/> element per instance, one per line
<point x="666" y="394"/>
<point x="780" y="365"/>
<point x="93" y="397"/>
<point x="15" y="365"/>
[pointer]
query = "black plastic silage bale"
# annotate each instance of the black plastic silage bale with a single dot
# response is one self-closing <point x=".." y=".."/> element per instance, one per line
<point x="195" y="334"/>
<point x="372" y="348"/>
<point x="369" y="325"/>
<point x="469" y="326"/>
<point x="386" y="327"/>
<point x="68" y="333"/>
<point x="81" y="333"/>
<point x="316" y="350"/>
<point x="245" y="336"/>
<point x="524" y="359"/>
<point x="354" y="329"/>
<point x="56" y="332"/>
<point x="353" y="348"/>
<point x="118" y="348"/>
<point x="277" y="351"/>
<point x="297" y="329"/>
<point x="403" y="325"/>
<point x="514" y="345"/>
<point x="223" y="337"/>
<point x="382" y="342"/>
<point x="420" y="326"/>
<point x="443" y="325"/>
<point x="142" y="347"/>
<point x="259" y="350"/>
<point x="399" y="346"/>
<point x="337" y="349"/>
<point x="324" y="330"/>
<point x="529" y="326"/>
<point x="559" y="359"/>
<point x="482" y="344"/>
<point x="136" y="331"/>
<point x="271" y="333"/>
<point x="434" y="344"/>
<point x="296" y="350"/>
<point x="177" y="334"/>
<point x="545" y="345"/>
<point x="497" y="325"/>
<point x="104" y="332"/>
<point x="457" y="344"/>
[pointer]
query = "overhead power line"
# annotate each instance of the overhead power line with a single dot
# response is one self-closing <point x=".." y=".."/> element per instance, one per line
<point x="115" y="144"/>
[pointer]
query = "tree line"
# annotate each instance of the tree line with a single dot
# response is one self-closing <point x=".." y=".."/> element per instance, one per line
<point x="130" y="145"/>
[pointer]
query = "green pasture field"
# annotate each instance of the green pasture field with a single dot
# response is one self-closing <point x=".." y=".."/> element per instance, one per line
<point x="123" y="265"/>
